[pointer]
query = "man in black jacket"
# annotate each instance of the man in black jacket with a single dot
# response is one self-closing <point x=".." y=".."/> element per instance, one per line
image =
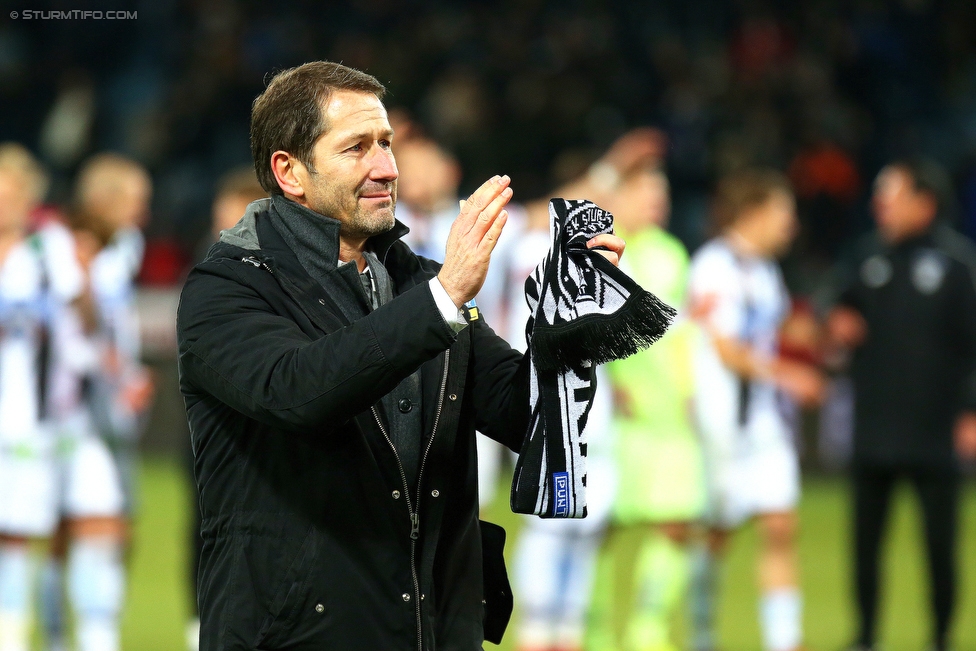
<point x="333" y="385"/>
<point x="908" y="313"/>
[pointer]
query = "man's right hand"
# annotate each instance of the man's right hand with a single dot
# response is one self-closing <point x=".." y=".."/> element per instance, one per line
<point x="965" y="435"/>
<point x="846" y="327"/>
<point x="472" y="239"/>
<point x="803" y="382"/>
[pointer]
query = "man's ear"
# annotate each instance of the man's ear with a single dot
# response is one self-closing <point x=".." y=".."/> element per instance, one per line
<point x="290" y="173"/>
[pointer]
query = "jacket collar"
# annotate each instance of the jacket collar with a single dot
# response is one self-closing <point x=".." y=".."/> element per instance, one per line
<point x="328" y="228"/>
<point x="921" y="238"/>
<point x="244" y="234"/>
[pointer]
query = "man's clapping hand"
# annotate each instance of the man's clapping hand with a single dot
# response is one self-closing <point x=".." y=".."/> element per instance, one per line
<point x="472" y="239"/>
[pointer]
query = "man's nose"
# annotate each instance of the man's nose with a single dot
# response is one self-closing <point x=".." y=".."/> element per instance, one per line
<point x="383" y="166"/>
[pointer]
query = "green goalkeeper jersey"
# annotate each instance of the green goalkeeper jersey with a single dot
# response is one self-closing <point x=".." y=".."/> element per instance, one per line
<point x="659" y="379"/>
<point x="659" y="465"/>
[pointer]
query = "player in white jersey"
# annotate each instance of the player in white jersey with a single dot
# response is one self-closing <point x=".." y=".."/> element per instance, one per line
<point x="102" y="392"/>
<point x="27" y="483"/>
<point x="752" y="469"/>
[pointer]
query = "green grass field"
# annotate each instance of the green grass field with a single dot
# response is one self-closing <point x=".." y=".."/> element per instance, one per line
<point x="158" y="597"/>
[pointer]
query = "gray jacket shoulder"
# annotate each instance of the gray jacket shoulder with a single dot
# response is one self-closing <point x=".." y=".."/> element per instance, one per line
<point x="244" y="233"/>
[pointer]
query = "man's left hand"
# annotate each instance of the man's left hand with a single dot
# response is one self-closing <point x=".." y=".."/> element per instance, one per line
<point x="612" y="242"/>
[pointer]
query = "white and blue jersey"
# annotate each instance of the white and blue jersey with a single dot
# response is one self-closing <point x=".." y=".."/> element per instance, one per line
<point x="749" y="303"/>
<point x="751" y="463"/>
<point x="27" y="310"/>
<point x="112" y="275"/>
<point x="26" y="443"/>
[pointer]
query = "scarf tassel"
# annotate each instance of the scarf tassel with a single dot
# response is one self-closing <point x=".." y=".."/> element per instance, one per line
<point x="598" y="338"/>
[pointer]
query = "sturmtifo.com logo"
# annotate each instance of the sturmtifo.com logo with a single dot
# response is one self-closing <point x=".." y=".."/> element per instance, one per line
<point x="73" y="14"/>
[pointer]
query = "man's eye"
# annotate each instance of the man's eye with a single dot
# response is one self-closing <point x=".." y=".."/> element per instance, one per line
<point x="385" y="144"/>
<point x="355" y="148"/>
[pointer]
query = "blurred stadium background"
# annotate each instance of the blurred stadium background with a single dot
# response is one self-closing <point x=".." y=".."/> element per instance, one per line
<point x="828" y="90"/>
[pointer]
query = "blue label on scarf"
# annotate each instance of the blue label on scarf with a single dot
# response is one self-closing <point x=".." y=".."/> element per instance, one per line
<point x="560" y="494"/>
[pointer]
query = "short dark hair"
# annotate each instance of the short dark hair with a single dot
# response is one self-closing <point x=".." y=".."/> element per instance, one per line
<point x="287" y="116"/>
<point x="930" y="178"/>
<point x="740" y="191"/>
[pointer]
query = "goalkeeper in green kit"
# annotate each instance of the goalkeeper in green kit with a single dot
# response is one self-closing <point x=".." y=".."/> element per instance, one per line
<point x="661" y="486"/>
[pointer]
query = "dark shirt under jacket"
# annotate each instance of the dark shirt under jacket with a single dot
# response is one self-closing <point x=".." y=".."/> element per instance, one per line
<point x="914" y="373"/>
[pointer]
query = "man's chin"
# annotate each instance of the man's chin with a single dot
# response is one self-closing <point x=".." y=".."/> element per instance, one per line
<point x="376" y="223"/>
<point x="385" y="219"/>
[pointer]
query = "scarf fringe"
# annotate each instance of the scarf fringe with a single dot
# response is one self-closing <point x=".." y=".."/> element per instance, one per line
<point x="602" y="338"/>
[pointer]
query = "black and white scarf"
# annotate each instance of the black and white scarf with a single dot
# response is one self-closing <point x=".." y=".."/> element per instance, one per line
<point x="584" y="312"/>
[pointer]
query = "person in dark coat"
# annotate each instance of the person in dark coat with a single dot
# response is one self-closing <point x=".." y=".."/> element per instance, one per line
<point x="907" y="313"/>
<point x="333" y="385"/>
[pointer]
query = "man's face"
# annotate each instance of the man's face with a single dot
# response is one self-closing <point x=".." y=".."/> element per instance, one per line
<point x="645" y="200"/>
<point x="227" y="211"/>
<point x="15" y="201"/>
<point x="429" y="176"/>
<point x="899" y="209"/>
<point x="132" y="202"/>
<point x="120" y="198"/>
<point x="777" y="223"/>
<point x="355" y="176"/>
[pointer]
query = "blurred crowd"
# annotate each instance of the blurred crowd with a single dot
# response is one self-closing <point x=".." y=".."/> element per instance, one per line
<point x="827" y="90"/>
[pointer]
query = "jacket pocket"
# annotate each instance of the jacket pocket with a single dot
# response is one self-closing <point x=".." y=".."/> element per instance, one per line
<point x="289" y="596"/>
<point x="497" y="600"/>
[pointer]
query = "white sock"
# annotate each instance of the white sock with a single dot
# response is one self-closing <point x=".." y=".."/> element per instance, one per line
<point x="50" y="602"/>
<point x="193" y="635"/>
<point x="98" y="633"/>
<point x="15" y="582"/>
<point x="701" y="597"/>
<point x="96" y="583"/>
<point x="781" y="615"/>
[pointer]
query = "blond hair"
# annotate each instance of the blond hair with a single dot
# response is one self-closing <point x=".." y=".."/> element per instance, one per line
<point x="101" y="178"/>
<point x="103" y="175"/>
<point x="18" y="160"/>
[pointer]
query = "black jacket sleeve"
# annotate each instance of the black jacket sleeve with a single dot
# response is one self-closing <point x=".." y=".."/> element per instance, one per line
<point x="497" y="380"/>
<point x="499" y="385"/>
<point x="233" y="346"/>
<point x="964" y="311"/>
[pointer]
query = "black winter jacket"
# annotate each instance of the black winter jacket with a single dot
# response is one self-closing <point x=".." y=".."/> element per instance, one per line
<point x="916" y="371"/>
<point x="312" y="540"/>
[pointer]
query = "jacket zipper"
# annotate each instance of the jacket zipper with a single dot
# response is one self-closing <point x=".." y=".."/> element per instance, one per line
<point x="437" y="419"/>
<point x="258" y="263"/>
<point x="415" y="514"/>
